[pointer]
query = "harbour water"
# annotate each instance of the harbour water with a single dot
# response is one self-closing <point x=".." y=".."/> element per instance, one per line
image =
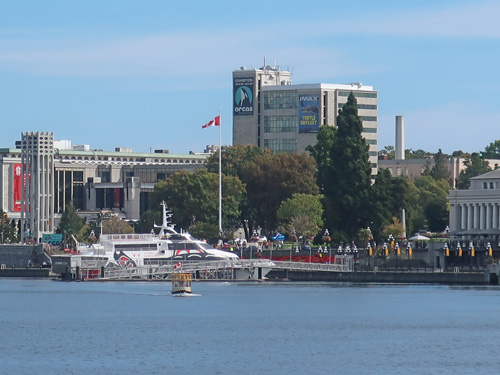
<point x="49" y="327"/>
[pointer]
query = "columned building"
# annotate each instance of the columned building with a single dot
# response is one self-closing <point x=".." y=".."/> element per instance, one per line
<point x="37" y="189"/>
<point x="270" y="112"/>
<point x="476" y="211"/>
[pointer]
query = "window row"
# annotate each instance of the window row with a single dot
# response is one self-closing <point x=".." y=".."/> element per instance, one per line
<point x="280" y="145"/>
<point x="361" y="106"/>
<point x="280" y="124"/>
<point x="280" y="100"/>
<point x="368" y="118"/>
<point x="359" y="94"/>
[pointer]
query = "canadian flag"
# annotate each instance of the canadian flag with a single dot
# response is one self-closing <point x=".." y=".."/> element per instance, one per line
<point x="214" y="122"/>
<point x="178" y="265"/>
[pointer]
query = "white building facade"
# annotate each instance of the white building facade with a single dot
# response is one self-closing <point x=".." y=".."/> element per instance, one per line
<point x="477" y="209"/>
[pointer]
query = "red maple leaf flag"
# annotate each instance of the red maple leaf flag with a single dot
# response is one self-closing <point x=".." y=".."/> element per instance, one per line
<point x="214" y="122"/>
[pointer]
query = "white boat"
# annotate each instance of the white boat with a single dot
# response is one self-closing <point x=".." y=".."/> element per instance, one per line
<point x="136" y="250"/>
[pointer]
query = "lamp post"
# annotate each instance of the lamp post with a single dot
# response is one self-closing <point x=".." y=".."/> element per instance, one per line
<point x="293" y="242"/>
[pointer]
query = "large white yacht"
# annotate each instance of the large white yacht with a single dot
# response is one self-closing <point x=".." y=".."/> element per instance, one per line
<point x="134" y="250"/>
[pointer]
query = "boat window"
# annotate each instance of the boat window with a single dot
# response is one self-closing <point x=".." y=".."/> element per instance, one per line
<point x="206" y="246"/>
<point x="191" y="246"/>
<point x="179" y="246"/>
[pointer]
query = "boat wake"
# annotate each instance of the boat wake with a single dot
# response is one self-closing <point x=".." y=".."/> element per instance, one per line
<point x="186" y="295"/>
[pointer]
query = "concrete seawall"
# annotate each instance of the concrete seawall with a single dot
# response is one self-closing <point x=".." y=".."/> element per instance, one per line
<point x="26" y="272"/>
<point x="18" y="256"/>
<point x="481" y="278"/>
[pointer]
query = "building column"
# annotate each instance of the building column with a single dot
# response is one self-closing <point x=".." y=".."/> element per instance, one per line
<point x="482" y="216"/>
<point x="463" y="216"/>
<point x="470" y="216"/>
<point x="477" y="216"/>
<point x="489" y="214"/>
<point x="495" y="216"/>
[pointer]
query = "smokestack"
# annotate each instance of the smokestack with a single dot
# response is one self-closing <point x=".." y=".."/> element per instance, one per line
<point x="400" y="138"/>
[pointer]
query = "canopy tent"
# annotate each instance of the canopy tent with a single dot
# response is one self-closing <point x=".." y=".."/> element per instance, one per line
<point x="419" y="237"/>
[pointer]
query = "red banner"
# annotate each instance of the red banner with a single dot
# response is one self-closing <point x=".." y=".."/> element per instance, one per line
<point x="116" y="198"/>
<point x="17" y="187"/>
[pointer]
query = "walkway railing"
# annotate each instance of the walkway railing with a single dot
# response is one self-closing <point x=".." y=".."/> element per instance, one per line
<point x="222" y="269"/>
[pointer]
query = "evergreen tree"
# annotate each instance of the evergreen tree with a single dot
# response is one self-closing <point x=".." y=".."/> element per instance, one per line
<point x="492" y="151"/>
<point x="439" y="170"/>
<point x="344" y="176"/>
<point x="70" y="223"/>
<point x="475" y="165"/>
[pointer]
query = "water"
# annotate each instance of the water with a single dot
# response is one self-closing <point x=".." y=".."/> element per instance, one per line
<point x="49" y="327"/>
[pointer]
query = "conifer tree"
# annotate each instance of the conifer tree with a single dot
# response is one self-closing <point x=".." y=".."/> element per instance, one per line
<point x="344" y="176"/>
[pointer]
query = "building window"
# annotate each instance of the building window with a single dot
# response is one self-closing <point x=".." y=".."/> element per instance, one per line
<point x="280" y="100"/>
<point x="280" y="124"/>
<point x="368" y="118"/>
<point x="280" y="145"/>
<point x="491" y="185"/>
<point x="359" y="94"/>
<point x="390" y="170"/>
<point x="485" y="185"/>
<point x="398" y="171"/>
<point x="369" y="130"/>
<point x="68" y="188"/>
<point x="362" y="106"/>
<point x="371" y="141"/>
<point x="160" y="176"/>
<point x="105" y="176"/>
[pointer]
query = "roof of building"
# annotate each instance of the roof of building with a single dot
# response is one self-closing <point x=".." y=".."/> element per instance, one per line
<point x="488" y="175"/>
<point x="322" y="86"/>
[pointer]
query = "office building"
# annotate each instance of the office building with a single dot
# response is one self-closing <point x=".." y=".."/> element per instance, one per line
<point x="271" y="112"/>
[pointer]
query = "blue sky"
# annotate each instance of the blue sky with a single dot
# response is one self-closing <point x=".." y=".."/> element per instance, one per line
<point x="148" y="74"/>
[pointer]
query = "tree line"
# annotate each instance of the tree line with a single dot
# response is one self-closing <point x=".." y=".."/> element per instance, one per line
<point x="329" y="187"/>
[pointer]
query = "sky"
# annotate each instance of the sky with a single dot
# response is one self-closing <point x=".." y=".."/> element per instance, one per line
<point x="148" y="74"/>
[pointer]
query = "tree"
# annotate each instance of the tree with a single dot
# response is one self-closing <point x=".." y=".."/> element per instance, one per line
<point x="271" y="179"/>
<point x="492" y="151"/>
<point x="302" y="213"/>
<point x="115" y="225"/>
<point x="8" y="229"/>
<point x="344" y="178"/>
<point x="321" y="152"/>
<point x="70" y="223"/>
<point x="233" y="159"/>
<point x="432" y="200"/>
<point x="439" y="170"/>
<point x="388" y="197"/>
<point x="395" y="228"/>
<point x="388" y="152"/>
<point x="148" y="219"/>
<point x="459" y="154"/>
<point x="474" y="166"/>
<point x="194" y="197"/>
<point x="417" y="154"/>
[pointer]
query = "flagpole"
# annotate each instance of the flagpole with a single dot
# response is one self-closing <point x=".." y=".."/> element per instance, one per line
<point x="220" y="175"/>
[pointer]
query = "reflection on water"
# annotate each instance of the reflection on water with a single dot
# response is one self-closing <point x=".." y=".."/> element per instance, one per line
<point x="247" y="328"/>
